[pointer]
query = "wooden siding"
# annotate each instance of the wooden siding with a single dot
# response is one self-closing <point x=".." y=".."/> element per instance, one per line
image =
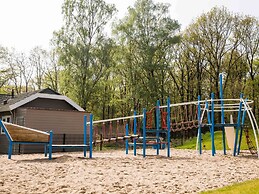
<point x="45" y="103"/>
<point x="60" y="122"/>
<point x="3" y="144"/>
<point x="20" y="112"/>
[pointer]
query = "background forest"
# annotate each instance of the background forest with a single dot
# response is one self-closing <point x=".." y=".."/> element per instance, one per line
<point x="112" y="67"/>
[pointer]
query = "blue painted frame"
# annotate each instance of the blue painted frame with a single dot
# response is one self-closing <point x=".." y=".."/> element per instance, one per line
<point x="222" y="113"/>
<point x="11" y="142"/>
<point x="50" y="145"/>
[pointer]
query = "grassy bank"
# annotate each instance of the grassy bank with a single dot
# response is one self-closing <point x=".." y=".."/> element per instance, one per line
<point x="206" y="142"/>
<point x="248" y="187"/>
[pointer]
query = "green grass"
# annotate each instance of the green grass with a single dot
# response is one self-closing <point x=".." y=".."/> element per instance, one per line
<point x="248" y="187"/>
<point x="206" y="142"/>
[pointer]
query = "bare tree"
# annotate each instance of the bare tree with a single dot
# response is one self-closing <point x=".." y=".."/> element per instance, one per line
<point x="52" y="71"/>
<point x="4" y="70"/>
<point x="38" y="60"/>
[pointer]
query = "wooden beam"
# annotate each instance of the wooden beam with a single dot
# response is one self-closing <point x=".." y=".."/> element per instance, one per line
<point x="24" y="134"/>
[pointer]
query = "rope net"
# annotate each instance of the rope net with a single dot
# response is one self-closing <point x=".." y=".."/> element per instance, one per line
<point x="115" y="130"/>
<point x="184" y="117"/>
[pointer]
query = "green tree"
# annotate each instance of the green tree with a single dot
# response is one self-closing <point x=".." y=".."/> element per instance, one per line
<point x="79" y="44"/>
<point x="215" y="32"/>
<point x="145" y="36"/>
<point x="248" y="29"/>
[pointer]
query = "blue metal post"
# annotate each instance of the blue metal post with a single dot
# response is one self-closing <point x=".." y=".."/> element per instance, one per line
<point x="91" y="137"/>
<point x="144" y="132"/>
<point x="209" y="121"/>
<point x="241" y="132"/>
<point x="127" y="141"/>
<point x="157" y="126"/>
<point x="168" y="127"/>
<point x="212" y="124"/>
<point x="5" y="131"/>
<point x="135" y="133"/>
<point x="85" y="133"/>
<point x="199" y="124"/>
<point x="222" y="114"/>
<point x="238" y="125"/>
<point x="10" y="149"/>
<point x="50" y="144"/>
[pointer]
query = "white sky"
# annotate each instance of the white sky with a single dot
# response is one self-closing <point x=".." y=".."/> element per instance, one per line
<point x="25" y="24"/>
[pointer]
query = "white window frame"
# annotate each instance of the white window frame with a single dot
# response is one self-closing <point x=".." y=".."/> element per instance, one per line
<point x="5" y="119"/>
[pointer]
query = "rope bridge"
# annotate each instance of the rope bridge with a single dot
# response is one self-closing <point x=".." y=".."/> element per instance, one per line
<point x="183" y="117"/>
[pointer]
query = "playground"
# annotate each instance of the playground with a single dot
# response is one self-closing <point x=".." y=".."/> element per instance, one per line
<point x="114" y="172"/>
<point x="148" y="164"/>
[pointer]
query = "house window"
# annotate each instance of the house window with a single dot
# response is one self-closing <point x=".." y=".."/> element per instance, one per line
<point x="5" y="119"/>
<point x="20" y="121"/>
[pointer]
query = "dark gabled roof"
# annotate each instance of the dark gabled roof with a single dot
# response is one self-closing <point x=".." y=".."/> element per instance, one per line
<point x="4" y="97"/>
<point x="7" y="100"/>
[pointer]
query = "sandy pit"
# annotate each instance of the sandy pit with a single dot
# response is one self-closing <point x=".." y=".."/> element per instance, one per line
<point x="115" y="172"/>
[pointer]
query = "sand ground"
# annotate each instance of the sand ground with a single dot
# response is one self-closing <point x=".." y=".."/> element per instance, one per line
<point x="115" y="172"/>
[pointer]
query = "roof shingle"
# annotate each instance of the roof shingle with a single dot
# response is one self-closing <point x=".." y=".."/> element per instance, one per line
<point x="9" y="100"/>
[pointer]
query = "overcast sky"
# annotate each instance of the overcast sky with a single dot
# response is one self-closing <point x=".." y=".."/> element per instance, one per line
<point x="25" y="24"/>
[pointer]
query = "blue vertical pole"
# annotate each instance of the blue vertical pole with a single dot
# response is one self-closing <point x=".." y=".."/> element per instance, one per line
<point x="222" y="114"/>
<point x="157" y="126"/>
<point x="212" y="124"/>
<point x="241" y="132"/>
<point x="85" y="133"/>
<point x="135" y="133"/>
<point x="199" y="124"/>
<point x="144" y="132"/>
<point x="168" y="127"/>
<point x="238" y="125"/>
<point x="50" y="144"/>
<point x="10" y="150"/>
<point x="127" y="141"/>
<point x="91" y="137"/>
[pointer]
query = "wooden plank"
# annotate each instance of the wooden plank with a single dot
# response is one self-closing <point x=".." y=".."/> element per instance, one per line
<point x="24" y="134"/>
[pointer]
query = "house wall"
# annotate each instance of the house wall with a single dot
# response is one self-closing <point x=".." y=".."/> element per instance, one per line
<point x="19" y="116"/>
<point x="60" y="122"/>
<point x="3" y="143"/>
